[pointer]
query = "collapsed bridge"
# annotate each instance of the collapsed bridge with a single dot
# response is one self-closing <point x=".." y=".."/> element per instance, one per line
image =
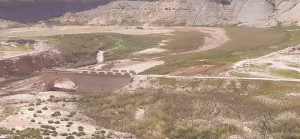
<point x="88" y="80"/>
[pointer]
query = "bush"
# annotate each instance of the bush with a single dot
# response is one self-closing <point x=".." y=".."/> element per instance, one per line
<point x="34" y="115"/>
<point x="74" y="133"/>
<point x="80" y="128"/>
<point x="73" y="113"/>
<point x="50" y="121"/>
<point x="38" y="111"/>
<point x="57" y="122"/>
<point x="39" y="123"/>
<point x="30" y="109"/>
<point x="102" y="131"/>
<point x="70" y="137"/>
<point x="44" y="108"/>
<point x="64" y="134"/>
<point x="81" y="134"/>
<point x="32" y="120"/>
<point x="70" y="123"/>
<point x="57" y="113"/>
<point x="52" y="127"/>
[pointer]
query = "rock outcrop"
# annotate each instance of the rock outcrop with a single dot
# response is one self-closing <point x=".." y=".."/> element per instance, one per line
<point x="259" y="13"/>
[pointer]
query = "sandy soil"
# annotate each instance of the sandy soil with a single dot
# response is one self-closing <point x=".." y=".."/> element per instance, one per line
<point x="151" y="51"/>
<point x="287" y="59"/>
<point x="137" y="66"/>
<point x="22" y="118"/>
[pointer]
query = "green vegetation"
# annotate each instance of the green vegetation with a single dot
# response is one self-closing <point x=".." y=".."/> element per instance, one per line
<point x="287" y="73"/>
<point x="244" y="43"/>
<point x="184" y="41"/>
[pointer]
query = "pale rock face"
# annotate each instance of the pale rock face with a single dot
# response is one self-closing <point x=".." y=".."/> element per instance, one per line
<point x="258" y="13"/>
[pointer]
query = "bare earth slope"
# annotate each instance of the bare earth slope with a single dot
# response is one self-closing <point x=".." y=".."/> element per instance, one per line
<point x="259" y="13"/>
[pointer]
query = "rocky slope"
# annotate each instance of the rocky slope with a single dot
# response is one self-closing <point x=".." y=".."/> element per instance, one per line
<point x="259" y="13"/>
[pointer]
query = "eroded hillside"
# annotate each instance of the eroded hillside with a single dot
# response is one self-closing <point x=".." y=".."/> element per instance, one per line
<point x="260" y="13"/>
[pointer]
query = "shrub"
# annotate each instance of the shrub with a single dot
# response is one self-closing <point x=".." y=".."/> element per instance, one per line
<point x="34" y="115"/>
<point x="45" y="132"/>
<point x="70" y="137"/>
<point x="80" y="128"/>
<point x="31" y="104"/>
<point x="57" y="122"/>
<point x="47" y="138"/>
<point x="70" y="116"/>
<point x="44" y="108"/>
<point x="32" y="120"/>
<point x="74" y="133"/>
<point x="39" y="123"/>
<point x="50" y="121"/>
<point x="70" y="123"/>
<point x="64" y="134"/>
<point x="73" y="113"/>
<point x="44" y="126"/>
<point x="30" y="109"/>
<point x="102" y="131"/>
<point x="57" y="113"/>
<point x="52" y="127"/>
<point x="81" y="134"/>
<point x="38" y="111"/>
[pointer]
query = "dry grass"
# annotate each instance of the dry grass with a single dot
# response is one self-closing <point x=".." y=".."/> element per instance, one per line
<point x="287" y="73"/>
<point x="244" y="43"/>
<point x="167" y="114"/>
<point x="7" y="111"/>
<point x="176" y="114"/>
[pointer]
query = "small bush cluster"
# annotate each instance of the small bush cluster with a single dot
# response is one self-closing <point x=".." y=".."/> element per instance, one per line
<point x="57" y="113"/>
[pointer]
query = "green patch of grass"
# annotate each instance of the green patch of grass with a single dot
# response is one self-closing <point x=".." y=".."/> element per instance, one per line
<point x="125" y="45"/>
<point x="184" y="41"/>
<point x="286" y="73"/>
<point x="122" y="46"/>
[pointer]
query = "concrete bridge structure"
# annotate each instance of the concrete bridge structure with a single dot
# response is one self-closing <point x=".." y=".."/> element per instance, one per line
<point x="89" y="80"/>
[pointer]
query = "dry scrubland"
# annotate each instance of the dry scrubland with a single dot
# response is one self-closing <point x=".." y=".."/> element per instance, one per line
<point x="170" y="108"/>
<point x="200" y="109"/>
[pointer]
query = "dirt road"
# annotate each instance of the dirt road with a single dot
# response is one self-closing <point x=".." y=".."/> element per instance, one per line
<point x="225" y="78"/>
